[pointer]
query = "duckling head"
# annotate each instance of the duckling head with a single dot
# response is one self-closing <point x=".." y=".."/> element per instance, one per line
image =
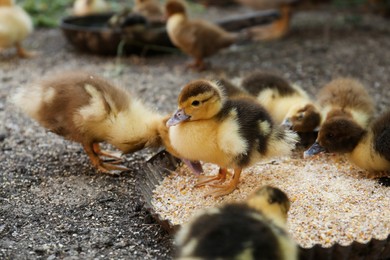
<point x="337" y="135"/>
<point x="271" y="201"/>
<point x="305" y="118"/>
<point x="198" y="100"/>
<point x="174" y="7"/>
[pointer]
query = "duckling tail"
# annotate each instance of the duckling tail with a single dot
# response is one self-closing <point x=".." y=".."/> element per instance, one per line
<point x="282" y="141"/>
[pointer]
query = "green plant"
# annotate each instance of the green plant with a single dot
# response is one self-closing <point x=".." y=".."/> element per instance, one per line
<point x="46" y="13"/>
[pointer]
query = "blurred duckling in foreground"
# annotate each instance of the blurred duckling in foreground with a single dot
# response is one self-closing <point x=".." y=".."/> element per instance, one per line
<point x="254" y="229"/>
<point x="87" y="109"/>
<point x="288" y="105"/>
<point x="345" y="102"/>
<point x="15" y="26"/>
<point x="232" y="133"/>
<point x="367" y="148"/>
<point x="87" y="7"/>
<point x="197" y="38"/>
<point x="150" y="9"/>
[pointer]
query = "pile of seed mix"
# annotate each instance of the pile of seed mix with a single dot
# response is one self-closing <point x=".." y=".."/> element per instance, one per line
<point x="332" y="201"/>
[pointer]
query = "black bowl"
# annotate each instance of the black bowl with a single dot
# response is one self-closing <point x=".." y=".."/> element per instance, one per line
<point x="92" y="34"/>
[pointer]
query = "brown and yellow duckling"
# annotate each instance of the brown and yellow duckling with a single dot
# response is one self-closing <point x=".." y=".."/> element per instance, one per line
<point x="197" y="38"/>
<point x="254" y="229"/>
<point x="367" y="148"/>
<point x="87" y="109"/>
<point x="288" y="105"/>
<point x="232" y="133"/>
<point x="347" y="111"/>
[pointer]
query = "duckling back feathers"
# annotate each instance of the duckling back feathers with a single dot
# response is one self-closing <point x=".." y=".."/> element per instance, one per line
<point x="346" y="96"/>
<point x="258" y="81"/>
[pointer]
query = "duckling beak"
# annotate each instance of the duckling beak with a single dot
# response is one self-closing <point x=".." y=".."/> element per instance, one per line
<point x="178" y="117"/>
<point x="287" y="124"/>
<point x="313" y="150"/>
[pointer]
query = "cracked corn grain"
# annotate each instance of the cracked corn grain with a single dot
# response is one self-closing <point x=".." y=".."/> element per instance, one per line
<point x="331" y="200"/>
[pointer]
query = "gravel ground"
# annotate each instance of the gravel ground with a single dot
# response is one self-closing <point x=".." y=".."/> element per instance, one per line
<point x="53" y="203"/>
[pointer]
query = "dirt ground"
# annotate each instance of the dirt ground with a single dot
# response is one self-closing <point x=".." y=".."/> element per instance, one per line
<point x="53" y="205"/>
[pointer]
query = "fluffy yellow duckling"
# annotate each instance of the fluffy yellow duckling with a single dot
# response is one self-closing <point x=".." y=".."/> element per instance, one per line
<point x="86" y="7"/>
<point x="367" y="148"/>
<point x="197" y="38"/>
<point x="232" y="133"/>
<point x="150" y="9"/>
<point x="15" y="26"/>
<point x="87" y="109"/>
<point x="343" y="100"/>
<point x="254" y="229"/>
<point x="288" y="104"/>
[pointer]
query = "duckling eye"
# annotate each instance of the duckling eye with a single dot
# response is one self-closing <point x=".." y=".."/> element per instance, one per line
<point x="195" y="103"/>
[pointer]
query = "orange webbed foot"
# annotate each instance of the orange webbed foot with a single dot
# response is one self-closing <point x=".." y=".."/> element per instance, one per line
<point x="23" y="53"/>
<point x="198" y="65"/>
<point x="111" y="168"/>
<point x="221" y="190"/>
<point x="93" y="151"/>
<point x="220" y="177"/>
<point x="113" y="155"/>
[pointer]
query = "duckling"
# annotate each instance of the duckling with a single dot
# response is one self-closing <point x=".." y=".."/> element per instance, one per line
<point x="15" y="26"/>
<point x="150" y="9"/>
<point x="197" y="38"/>
<point x="345" y="102"/>
<point x="253" y="229"/>
<point x="232" y="133"/>
<point x="86" y="7"/>
<point x="367" y="148"/>
<point x="87" y="109"/>
<point x="346" y="97"/>
<point x="288" y="105"/>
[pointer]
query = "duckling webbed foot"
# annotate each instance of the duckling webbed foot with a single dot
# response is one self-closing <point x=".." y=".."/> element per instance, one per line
<point x="198" y="65"/>
<point x="93" y="151"/>
<point x="220" y="177"/>
<point x="23" y="53"/>
<point x="221" y="190"/>
<point x="110" y="167"/>
<point x="116" y="156"/>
